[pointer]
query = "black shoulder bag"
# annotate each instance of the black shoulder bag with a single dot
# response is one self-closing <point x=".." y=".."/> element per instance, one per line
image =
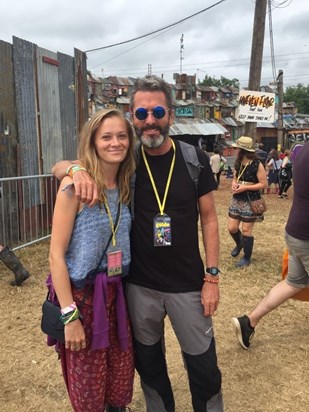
<point x="51" y="323"/>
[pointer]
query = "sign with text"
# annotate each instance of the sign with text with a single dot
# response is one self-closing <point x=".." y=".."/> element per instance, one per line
<point x="186" y="111"/>
<point x="256" y="106"/>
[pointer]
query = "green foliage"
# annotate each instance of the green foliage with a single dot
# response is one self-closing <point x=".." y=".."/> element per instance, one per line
<point x="222" y="82"/>
<point x="299" y="95"/>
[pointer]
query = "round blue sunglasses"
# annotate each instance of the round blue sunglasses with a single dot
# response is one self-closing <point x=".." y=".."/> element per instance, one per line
<point x="158" y="112"/>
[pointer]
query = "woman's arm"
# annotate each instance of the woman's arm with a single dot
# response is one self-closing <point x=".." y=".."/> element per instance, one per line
<point x="66" y="208"/>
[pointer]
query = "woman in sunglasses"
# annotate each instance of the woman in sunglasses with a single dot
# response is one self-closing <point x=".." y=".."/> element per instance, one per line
<point x="97" y="356"/>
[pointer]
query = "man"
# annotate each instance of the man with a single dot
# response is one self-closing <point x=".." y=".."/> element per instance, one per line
<point x="167" y="275"/>
<point x="297" y="240"/>
<point x="261" y="154"/>
<point x="217" y="164"/>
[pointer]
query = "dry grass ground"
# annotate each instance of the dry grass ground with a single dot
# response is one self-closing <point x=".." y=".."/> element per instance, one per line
<point x="272" y="376"/>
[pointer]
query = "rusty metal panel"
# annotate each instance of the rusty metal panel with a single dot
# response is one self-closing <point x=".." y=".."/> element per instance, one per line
<point x="49" y="109"/>
<point x="24" y="73"/>
<point x="8" y="137"/>
<point x="8" y="121"/>
<point x="81" y="89"/>
<point x="67" y="106"/>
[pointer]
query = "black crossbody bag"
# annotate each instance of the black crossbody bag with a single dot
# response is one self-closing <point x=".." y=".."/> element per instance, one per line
<point x="51" y="322"/>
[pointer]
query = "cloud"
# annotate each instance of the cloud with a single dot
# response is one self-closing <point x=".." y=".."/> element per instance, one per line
<point x="216" y="42"/>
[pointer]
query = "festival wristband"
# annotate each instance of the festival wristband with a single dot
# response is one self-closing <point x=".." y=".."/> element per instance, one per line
<point x="68" y="309"/>
<point x="73" y="169"/>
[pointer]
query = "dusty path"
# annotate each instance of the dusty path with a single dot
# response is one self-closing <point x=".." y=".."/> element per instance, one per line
<point x="273" y="376"/>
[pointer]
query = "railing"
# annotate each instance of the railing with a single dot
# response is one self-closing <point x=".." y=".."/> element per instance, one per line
<point x="26" y="209"/>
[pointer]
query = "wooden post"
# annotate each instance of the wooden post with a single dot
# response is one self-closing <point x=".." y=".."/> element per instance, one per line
<point x="256" y="57"/>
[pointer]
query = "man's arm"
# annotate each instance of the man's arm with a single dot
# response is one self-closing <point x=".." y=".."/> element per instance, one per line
<point x="86" y="189"/>
<point x="209" y="224"/>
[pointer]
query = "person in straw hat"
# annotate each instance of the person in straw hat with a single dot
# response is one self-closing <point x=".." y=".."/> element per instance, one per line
<point x="249" y="179"/>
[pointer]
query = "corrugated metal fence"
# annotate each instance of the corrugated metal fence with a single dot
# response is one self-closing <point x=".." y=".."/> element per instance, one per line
<point x="26" y="209"/>
<point x="43" y="105"/>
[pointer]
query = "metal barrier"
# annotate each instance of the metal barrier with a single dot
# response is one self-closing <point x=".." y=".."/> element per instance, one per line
<point x="26" y="209"/>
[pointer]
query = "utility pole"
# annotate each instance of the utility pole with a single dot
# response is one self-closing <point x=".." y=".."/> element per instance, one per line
<point x="256" y="56"/>
<point x="280" y="108"/>
<point x="181" y="52"/>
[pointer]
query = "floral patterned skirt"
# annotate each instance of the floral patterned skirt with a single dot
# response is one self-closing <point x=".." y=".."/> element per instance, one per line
<point x="241" y="210"/>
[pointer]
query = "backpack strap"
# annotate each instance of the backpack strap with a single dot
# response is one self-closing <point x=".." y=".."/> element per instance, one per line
<point x="137" y="156"/>
<point x="193" y="164"/>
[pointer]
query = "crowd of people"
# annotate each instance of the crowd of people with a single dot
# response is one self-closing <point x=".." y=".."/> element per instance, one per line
<point x="110" y="203"/>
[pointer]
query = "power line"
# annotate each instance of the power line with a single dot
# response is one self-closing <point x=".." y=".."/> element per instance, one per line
<point x="200" y="65"/>
<point x="156" y="31"/>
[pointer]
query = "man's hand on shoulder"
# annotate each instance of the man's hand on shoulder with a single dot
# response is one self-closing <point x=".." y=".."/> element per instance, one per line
<point x="85" y="188"/>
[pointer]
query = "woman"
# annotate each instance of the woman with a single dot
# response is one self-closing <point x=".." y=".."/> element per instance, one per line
<point x="249" y="179"/>
<point x="274" y="165"/>
<point x="97" y="357"/>
<point x="285" y="175"/>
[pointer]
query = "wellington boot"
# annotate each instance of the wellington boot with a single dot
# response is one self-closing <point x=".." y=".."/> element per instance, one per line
<point x="238" y="238"/>
<point x="117" y="409"/>
<point x="12" y="262"/>
<point x="248" y="247"/>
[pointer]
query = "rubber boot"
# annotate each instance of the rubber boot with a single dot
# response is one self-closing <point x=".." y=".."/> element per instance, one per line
<point x="268" y="191"/>
<point x="248" y="246"/>
<point x="239" y="243"/>
<point x="12" y="262"/>
<point x="115" y="408"/>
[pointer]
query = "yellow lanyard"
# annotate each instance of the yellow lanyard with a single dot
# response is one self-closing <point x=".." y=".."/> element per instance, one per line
<point x="160" y="205"/>
<point x="111" y="222"/>
<point x="243" y="171"/>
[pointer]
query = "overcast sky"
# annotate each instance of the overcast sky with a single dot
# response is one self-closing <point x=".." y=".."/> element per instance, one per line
<point x="216" y="42"/>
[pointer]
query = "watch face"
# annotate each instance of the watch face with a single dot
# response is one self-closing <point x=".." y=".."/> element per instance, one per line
<point x="213" y="271"/>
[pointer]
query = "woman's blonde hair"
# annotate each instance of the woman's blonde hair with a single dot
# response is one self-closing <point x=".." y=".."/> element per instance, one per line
<point x="89" y="158"/>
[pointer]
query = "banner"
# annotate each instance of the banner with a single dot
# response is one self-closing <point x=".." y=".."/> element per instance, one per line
<point x="256" y="106"/>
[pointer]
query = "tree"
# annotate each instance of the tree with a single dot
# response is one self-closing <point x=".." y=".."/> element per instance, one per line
<point x="222" y="82"/>
<point x="299" y="95"/>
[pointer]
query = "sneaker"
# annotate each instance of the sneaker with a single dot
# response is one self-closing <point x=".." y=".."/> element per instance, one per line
<point x="244" y="331"/>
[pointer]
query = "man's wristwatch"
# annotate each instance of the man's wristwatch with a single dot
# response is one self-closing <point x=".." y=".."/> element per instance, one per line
<point x="212" y="271"/>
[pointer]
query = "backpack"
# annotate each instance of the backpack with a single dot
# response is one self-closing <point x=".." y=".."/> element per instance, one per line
<point x="222" y="164"/>
<point x="190" y="156"/>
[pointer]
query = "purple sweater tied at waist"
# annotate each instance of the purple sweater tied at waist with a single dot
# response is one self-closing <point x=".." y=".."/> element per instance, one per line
<point x="100" y="339"/>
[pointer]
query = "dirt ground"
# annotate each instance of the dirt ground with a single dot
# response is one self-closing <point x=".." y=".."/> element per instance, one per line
<point x="272" y="376"/>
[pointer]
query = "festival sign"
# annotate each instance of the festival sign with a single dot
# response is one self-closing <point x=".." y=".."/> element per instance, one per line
<point x="256" y="106"/>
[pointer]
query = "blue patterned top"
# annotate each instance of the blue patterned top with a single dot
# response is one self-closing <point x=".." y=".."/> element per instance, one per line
<point x="90" y="235"/>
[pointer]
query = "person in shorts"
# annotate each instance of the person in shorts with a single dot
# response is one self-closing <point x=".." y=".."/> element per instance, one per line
<point x="297" y="240"/>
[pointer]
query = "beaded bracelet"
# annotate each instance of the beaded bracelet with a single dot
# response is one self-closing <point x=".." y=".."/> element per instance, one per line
<point x="211" y="280"/>
<point x="70" y="316"/>
<point x="73" y="169"/>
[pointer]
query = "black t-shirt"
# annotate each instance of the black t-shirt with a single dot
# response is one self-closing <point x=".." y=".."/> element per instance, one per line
<point x="179" y="267"/>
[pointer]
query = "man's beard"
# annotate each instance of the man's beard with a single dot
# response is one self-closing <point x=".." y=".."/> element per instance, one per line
<point x="152" y="142"/>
